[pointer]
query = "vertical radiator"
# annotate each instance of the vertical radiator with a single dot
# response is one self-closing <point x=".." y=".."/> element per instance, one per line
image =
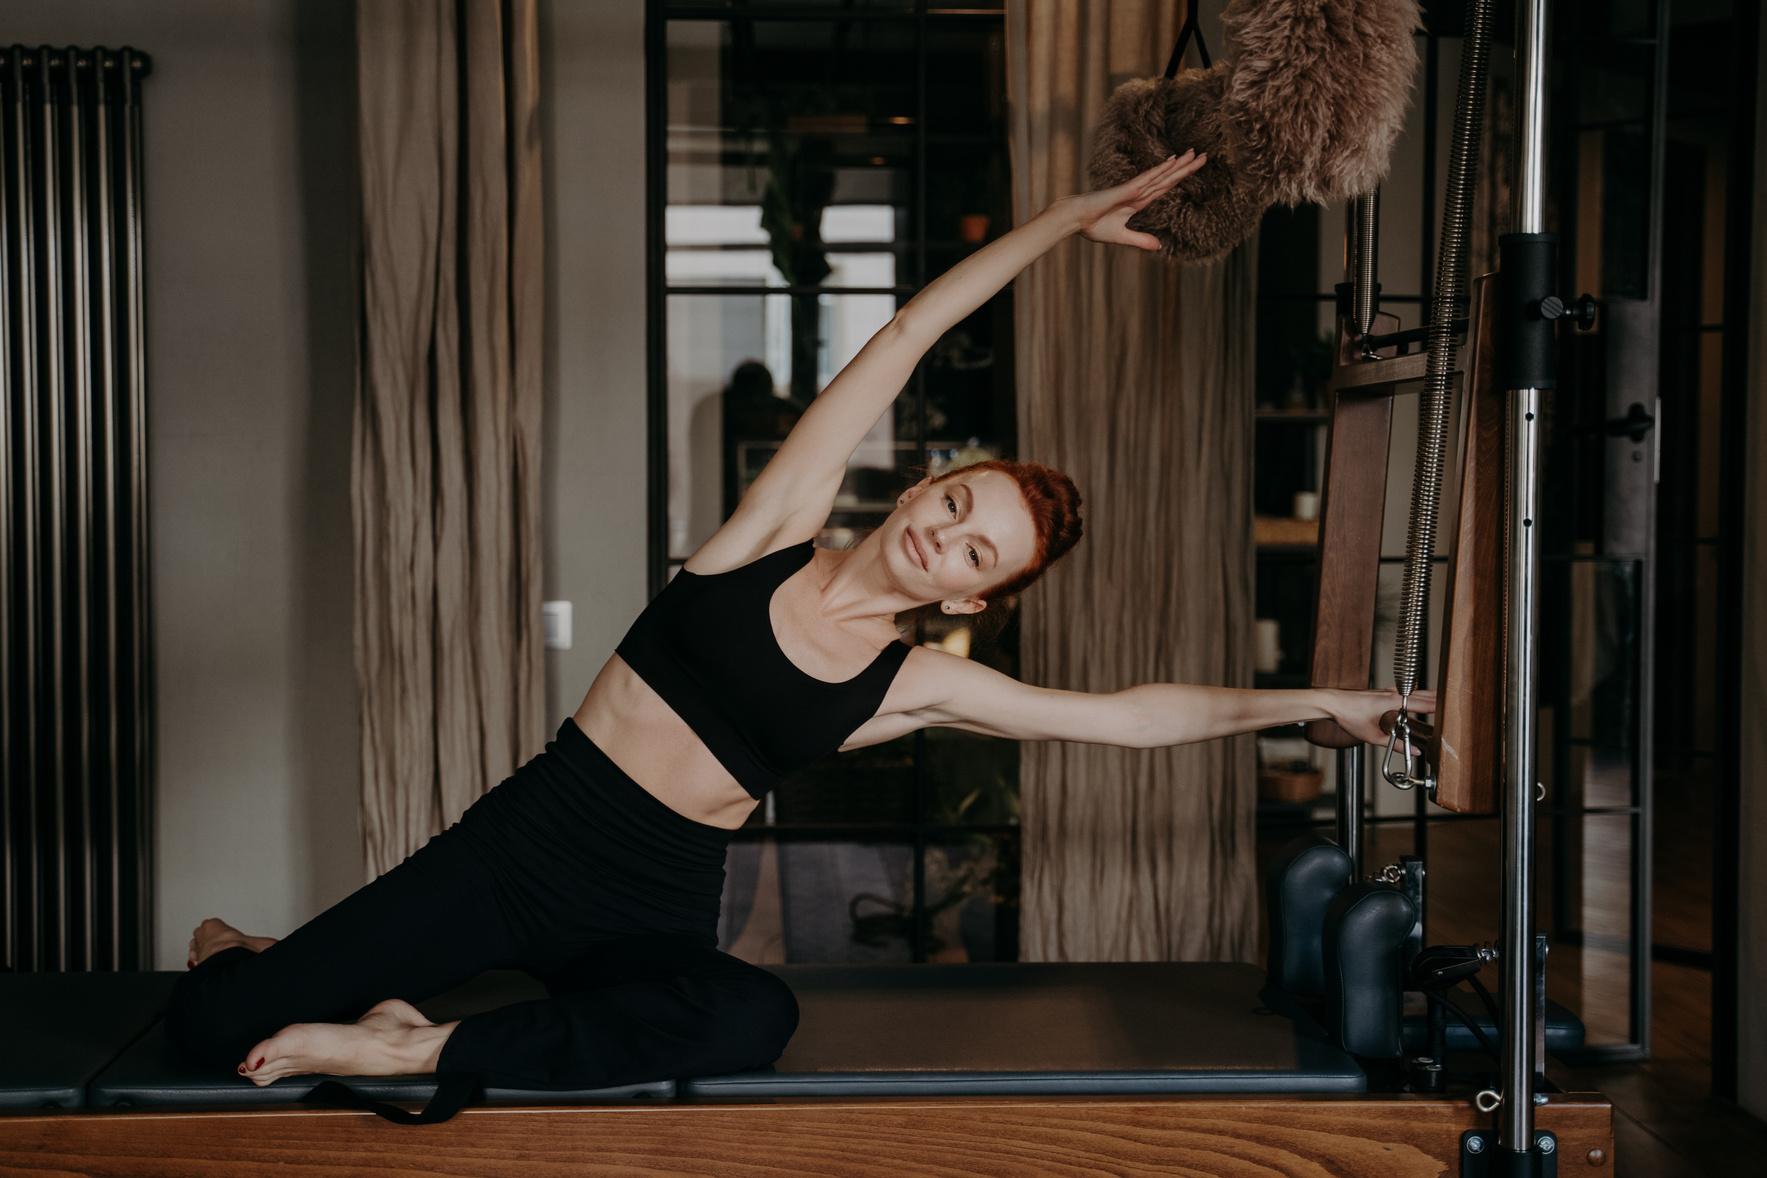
<point x="76" y="729"/>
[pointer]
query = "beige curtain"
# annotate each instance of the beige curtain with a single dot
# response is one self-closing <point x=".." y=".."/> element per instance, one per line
<point x="446" y="477"/>
<point x="1134" y="376"/>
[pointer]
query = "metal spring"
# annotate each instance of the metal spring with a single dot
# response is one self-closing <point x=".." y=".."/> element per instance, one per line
<point x="1365" y="214"/>
<point x="1437" y="399"/>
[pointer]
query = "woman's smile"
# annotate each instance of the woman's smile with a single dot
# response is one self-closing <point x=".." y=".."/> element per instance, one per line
<point x="915" y="548"/>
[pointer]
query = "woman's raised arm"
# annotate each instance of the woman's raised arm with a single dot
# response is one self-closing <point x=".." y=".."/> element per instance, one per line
<point x="792" y="497"/>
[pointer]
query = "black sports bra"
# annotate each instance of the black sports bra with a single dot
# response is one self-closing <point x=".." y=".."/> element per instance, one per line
<point x="706" y="645"/>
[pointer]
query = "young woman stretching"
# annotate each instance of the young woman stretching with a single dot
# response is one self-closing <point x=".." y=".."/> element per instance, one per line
<point x="598" y="867"/>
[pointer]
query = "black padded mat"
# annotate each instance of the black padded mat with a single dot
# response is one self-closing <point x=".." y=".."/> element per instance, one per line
<point x="1564" y="1030"/>
<point x="153" y="1072"/>
<point x="57" y="1030"/>
<point x="1093" y="1029"/>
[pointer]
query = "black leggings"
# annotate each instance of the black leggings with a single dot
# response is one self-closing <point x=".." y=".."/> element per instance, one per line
<point x="569" y="870"/>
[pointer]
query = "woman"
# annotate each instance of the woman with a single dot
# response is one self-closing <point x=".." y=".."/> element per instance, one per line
<point x="598" y="867"/>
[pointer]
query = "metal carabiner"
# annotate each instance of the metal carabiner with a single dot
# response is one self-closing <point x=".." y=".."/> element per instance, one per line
<point x="1399" y="739"/>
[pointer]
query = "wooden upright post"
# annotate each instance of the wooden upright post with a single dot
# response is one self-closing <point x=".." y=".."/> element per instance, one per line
<point x="1353" y="497"/>
<point x="1466" y="744"/>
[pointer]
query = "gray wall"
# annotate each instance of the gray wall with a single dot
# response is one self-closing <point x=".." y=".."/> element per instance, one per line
<point x="592" y="68"/>
<point x="251" y="332"/>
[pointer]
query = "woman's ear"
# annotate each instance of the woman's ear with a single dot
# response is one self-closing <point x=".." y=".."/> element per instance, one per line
<point x="911" y="492"/>
<point x="968" y="605"/>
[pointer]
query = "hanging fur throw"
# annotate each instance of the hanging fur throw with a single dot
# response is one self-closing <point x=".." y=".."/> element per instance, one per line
<point x="1318" y="91"/>
<point x="1148" y="119"/>
<point x="1306" y="109"/>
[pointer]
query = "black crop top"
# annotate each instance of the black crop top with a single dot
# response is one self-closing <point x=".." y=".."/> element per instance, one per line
<point x="706" y="645"/>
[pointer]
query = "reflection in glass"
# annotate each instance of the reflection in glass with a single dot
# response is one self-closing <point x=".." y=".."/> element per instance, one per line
<point x="1592" y="961"/>
<point x="790" y="901"/>
<point x="972" y="900"/>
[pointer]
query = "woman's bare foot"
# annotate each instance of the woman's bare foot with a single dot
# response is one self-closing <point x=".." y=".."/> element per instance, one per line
<point x="214" y="935"/>
<point x="392" y="1039"/>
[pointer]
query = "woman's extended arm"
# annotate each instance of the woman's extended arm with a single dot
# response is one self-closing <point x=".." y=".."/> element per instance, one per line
<point x="956" y="693"/>
<point x="791" y="499"/>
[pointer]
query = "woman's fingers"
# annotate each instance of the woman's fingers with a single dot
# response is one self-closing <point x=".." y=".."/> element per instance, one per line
<point x="1158" y="181"/>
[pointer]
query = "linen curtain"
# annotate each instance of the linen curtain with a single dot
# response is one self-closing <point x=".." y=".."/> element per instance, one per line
<point x="1135" y="377"/>
<point x="446" y="475"/>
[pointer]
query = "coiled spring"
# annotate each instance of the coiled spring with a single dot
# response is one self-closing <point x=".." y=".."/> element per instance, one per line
<point x="1437" y="401"/>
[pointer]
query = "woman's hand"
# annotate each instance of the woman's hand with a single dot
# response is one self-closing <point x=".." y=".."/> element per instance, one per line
<point x="1104" y="215"/>
<point x="1360" y="712"/>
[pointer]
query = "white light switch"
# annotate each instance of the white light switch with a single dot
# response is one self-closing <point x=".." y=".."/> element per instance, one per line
<point x="558" y="624"/>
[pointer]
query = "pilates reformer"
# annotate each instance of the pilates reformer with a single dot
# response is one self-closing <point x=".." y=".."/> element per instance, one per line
<point x="1059" y="1068"/>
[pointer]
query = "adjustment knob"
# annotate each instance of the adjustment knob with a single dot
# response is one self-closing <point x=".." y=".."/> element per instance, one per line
<point x="1581" y="312"/>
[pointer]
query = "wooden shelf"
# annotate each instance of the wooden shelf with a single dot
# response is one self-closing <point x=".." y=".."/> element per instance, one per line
<point x="1274" y="531"/>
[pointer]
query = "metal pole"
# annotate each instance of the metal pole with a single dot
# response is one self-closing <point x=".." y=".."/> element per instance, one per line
<point x="1515" y="1123"/>
<point x="1350" y="805"/>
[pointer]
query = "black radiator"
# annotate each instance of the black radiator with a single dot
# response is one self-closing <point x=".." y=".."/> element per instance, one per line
<point x="76" y="729"/>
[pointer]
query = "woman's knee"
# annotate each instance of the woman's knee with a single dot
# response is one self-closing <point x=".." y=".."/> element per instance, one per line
<point x="764" y="1014"/>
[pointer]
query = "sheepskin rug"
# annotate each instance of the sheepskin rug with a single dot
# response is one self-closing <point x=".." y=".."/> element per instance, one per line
<point x="1306" y="107"/>
<point x="1148" y="119"/>
<point x="1318" y="91"/>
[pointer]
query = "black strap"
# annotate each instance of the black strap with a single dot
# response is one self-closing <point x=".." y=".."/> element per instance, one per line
<point x="454" y="1091"/>
<point x="1189" y="30"/>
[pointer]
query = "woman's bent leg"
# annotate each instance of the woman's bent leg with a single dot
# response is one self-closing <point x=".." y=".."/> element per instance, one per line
<point x="423" y="927"/>
<point x="630" y="1010"/>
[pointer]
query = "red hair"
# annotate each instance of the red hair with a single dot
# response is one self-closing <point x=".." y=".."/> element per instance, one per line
<point x="1054" y="503"/>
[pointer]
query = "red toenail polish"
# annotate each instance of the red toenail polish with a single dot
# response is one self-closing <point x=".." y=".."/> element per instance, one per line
<point x="242" y="1069"/>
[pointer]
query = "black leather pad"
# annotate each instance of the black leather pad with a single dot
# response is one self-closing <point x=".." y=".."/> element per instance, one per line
<point x="1300" y="885"/>
<point x="1366" y="925"/>
<point x="152" y="1071"/>
<point x="57" y="1030"/>
<point x="1564" y="1030"/>
<point x="1042" y="1028"/>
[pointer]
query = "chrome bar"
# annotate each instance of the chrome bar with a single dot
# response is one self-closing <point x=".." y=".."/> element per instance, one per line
<point x="1350" y="805"/>
<point x="1515" y="1118"/>
<point x="1532" y="18"/>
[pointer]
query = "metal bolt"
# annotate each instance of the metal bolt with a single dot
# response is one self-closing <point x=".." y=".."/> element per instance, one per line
<point x="1539" y="1098"/>
<point x="1547" y="1143"/>
<point x="1475" y="1145"/>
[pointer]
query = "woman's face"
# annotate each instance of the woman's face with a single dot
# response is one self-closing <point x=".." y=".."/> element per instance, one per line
<point x="954" y="540"/>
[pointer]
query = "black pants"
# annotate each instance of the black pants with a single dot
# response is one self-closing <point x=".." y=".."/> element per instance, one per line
<point x="569" y="870"/>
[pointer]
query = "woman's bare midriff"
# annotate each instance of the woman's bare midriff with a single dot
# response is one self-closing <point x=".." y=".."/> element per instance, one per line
<point x="641" y="734"/>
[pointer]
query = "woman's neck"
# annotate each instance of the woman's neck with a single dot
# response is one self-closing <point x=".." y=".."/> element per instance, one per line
<point x="855" y="586"/>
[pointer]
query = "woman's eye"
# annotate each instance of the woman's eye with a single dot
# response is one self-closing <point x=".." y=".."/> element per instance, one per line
<point x="974" y="559"/>
<point x="952" y="504"/>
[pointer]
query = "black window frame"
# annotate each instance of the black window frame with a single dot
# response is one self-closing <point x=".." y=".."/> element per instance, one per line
<point x="919" y="834"/>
